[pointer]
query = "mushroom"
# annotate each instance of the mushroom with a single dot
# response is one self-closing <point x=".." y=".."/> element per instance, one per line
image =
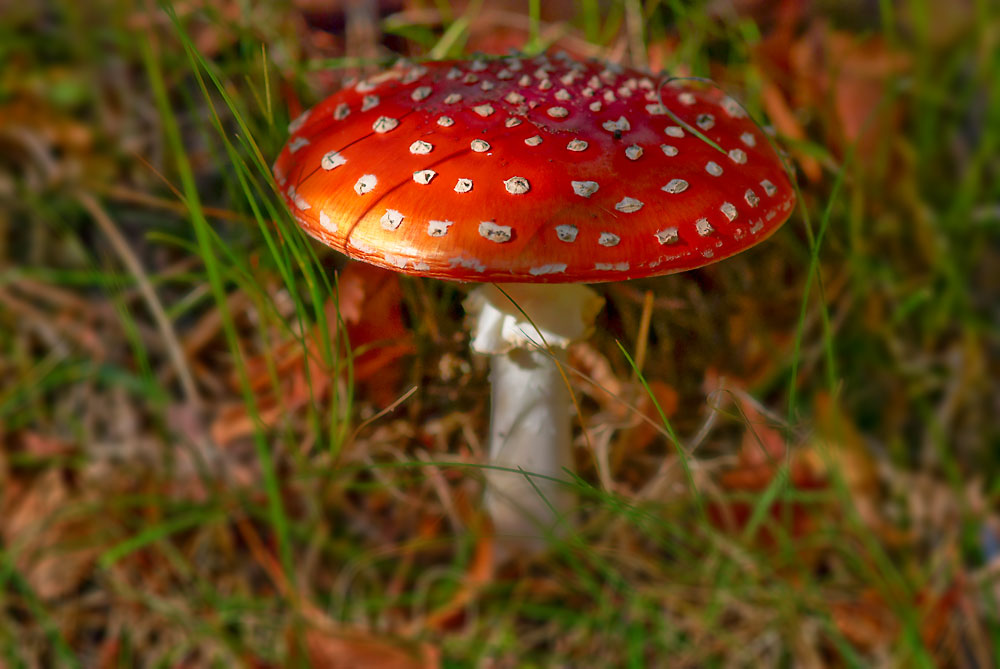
<point x="531" y="177"/>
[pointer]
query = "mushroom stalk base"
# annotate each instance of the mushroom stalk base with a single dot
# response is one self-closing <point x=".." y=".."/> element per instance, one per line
<point x="529" y="432"/>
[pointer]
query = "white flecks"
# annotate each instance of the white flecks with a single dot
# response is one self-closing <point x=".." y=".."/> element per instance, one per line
<point x="770" y="215"/>
<point x="646" y="83"/>
<point x="577" y="145"/>
<point x="729" y="209"/>
<point x="524" y="81"/>
<point x="453" y="74"/>
<point x="424" y="177"/>
<point x="487" y="85"/>
<point x="512" y="122"/>
<point x="584" y="188"/>
<point x="567" y="232"/>
<point x="624" y="92"/>
<point x="708" y="253"/>
<point x="364" y="86"/>
<point x="478" y="65"/>
<point x="414" y="73"/>
<point x="420" y="93"/>
<point x="325" y="221"/>
<point x="748" y="139"/>
<point x="768" y="187"/>
<point x="470" y="78"/>
<point x="369" y="102"/>
<point x="297" y="144"/>
<point x="705" y="121"/>
<point x="656" y="109"/>
<point x="445" y="121"/>
<point x="595" y="106"/>
<point x="517" y="185"/>
<point x="733" y="107"/>
<point x="562" y="95"/>
<point x="391" y="219"/>
<point x="495" y="233"/>
<point x="752" y="198"/>
<point x="297" y="199"/>
<point x="668" y="235"/>
<point x="463" y="186"/>
<point x="420" y="147"/>
<point x="675" y="186"/>
<point x="668" y="149"/>
<point x="514" y="98"/>
<point x="557" y="112"/>
<point x="554" y="268"/>
<point x="453" y="98"/>
<point x="633" y="152"/>
<point x="686" y="98"/>
<point x="545" y="84"/>
<point x="594" y="83"/>
<point x="608" y="239"/>
<point x="332" y="159"/>
<point x="587" y="92"/>
<point x="484" y="110"/>
<point x="299" y="121"/>
<point x="396" y="261"/>
<point x="609" y="96"/>
<point x="628" y="205"/>
<point x="438" y="228"/>
<point x="384" y="124"/>
<point x="611" y="267"/>
<point x="703" y="227"/>
<point x="738" y="156"/>
<point x="652" y="96"/>
<point x="505" y="74"/>
<point x="365" y="184"/>
<point x="467" y="263"/>
<point x="479" y="145"/>
<point x="341" y="111"/>
<point x="756" y="226"/>
<point x="621" y="125"/>
<point x="362" y="245"/>
<point x="534" y="140"/>
<point x="514" y="64"/>
<point x="674" y="131"/>
<point x="713" y="168"/>
<point x="739" y="233"/>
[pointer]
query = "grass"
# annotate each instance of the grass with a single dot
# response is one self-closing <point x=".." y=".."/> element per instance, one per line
<point x="276" y="508"/>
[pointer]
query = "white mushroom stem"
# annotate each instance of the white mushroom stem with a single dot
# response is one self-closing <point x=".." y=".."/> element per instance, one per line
<point x="530" y="429"/>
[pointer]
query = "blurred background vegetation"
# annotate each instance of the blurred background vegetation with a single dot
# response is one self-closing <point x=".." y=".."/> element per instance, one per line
<point x="223" y="445"/>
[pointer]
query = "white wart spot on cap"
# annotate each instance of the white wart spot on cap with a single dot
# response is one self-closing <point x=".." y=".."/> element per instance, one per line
<point x="611" y="267"/>
<point x="752" y="199"/>
<point x="369" y="102"/>
<point x="495" y="233"/>
<point x="584" y="188"/>
<point x="668" y="149"/>
<point x="729" y="209"/>
<point x="453" y="98"/>
<point x="748" y="139"/>
<point x="365" y="184"/>
<point x="505" y="74"/>
<point x="633" y="152"/>
<point x="332" y="159"/>
<point x="512" y="122"/>
<point x="609" y="96"/>
<point x="391" y="219"/>
<point x="768" y="187"/>
<point x="297" y="199"/>
<point x="517" y="185"/>
<point x="487" y="85"/>
<point x="534" y="140"/>
<point x="675" y="186"/>
<point x="396" y="261"/>
<point x="514" y="98"/>
<point x="463" y="186"/>
<point x="478" y="65"/>
<point x="608" y="239"/>
<point x="674" y="131"/>
<point x="738" y="156"/>
<point x="484" y="110"/>
<point x="341" y="111"/>
<point x="297" y="144"/>
<point x="479" y="145"/>
<point x="656" y="109"/>
<point x="567" y="233"/>
<point x="470" y="78"/>
<point x="414" y="73"/>
<point x="325" y="221"/>
<point x="733" y="108"/>
<point x="438" y="228"/>
<point x="756" y="226"/>
<point x="384" y="124"/>
<point x="705" y="121"/>
<point x="424" y="177"/>
<point x="557" y="112"/>
<point x="620" y="125"/>
<point x="453" y="74"/>
<point x="524" y="81"/>
<point x="628" y="205"/>
<point x="577" y="145"/>
<point x="299" y="121"/>
<point x="562" y="95"/>
<point x="420" y="93"/>
<point x="545" y="84"/>
<point x="713" y="168"/>
<point x="554" y="268"/>
<point x="421" y="147"/>
<point x="686" y="98"/>
<point x="668" y="235"/>
<point x="703" y="227"/>
<point x="595" y="106"/>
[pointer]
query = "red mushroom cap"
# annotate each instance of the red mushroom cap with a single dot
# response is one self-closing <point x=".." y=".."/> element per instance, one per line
<point x="532" y="170"/>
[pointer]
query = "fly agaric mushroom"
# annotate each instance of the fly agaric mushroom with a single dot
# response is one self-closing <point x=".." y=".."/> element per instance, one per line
<point x="538" y="174"/>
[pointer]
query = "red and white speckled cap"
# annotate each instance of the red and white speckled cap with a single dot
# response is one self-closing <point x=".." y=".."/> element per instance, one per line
<point x="532" y="170"/>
